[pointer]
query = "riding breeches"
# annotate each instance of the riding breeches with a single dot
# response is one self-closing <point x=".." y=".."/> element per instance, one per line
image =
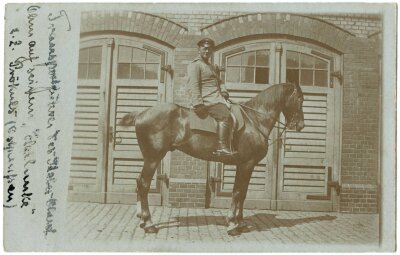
<point x="219" y="112"/>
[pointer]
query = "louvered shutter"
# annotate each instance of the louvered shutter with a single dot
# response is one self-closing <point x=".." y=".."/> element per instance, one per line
<point x="85" y="138"/>
<point x="306" y="156"/>
<point x="127" y="158"/>
<point x="87" y="149"/>
<point x="136" y="87"/>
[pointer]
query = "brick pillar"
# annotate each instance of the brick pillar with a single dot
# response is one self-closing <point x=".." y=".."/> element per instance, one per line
<point x="360" y="136"/>
<point x="188" y="175"/>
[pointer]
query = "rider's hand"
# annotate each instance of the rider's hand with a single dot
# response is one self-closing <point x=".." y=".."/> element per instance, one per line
<point x="225" y="95"/>
<point x="200" y="110"/>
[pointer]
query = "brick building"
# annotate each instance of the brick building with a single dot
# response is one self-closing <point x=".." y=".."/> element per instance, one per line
<point x="132" y="60"/>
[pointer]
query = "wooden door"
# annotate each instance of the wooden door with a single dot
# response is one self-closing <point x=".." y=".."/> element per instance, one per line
<point x="306" y="162"/>
<point x="137" y="83"/>
<point x="117" y="75"/>
<point x="298" y="173"/>
<point x="249" y="69"/>
<point x="87" y="161"/>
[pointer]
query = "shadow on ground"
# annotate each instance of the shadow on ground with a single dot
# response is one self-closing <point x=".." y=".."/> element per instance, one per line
<point x="259" y="222"/>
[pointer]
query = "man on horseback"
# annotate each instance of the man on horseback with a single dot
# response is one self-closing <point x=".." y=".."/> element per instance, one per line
<point x="208" y="95"/>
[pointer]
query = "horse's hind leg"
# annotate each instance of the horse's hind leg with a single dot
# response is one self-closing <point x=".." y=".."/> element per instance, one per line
<point x="143" y="187"/>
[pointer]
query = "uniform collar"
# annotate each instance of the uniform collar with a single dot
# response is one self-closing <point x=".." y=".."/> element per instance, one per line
<point x="202" y="60"/>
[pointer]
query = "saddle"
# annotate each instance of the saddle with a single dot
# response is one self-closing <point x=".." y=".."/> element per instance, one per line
<point x="209" y="124"/>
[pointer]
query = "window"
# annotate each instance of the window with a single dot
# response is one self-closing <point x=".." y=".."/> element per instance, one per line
<point x="89" y="63"/>
<point x="135" y="63"/>
<point x="306" y="70"/>
<point x="248" y="67"/>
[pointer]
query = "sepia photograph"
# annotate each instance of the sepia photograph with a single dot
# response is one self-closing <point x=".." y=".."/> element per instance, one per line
<point x="224" y="127"/>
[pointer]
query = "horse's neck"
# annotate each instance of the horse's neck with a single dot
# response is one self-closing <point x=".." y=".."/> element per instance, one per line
<point x="270" y="112"/>
<point x="270" y="118"/>
<point x="264" y="117"/>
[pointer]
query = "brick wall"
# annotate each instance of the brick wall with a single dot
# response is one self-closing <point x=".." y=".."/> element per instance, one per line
<point x="360" y="128"/>
<point x="361" y="25"/>
<point x="197" y="20"/>
<point x="188" y="177"/>
<point x="359" y="198"/>
<point x="183" y="56"/>
<point x="188" y="174"/>
<point x="157" y="27"/>
<point x="187" y="194"/>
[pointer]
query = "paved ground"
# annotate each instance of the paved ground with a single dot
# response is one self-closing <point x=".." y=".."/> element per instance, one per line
<point x="110" y="223"/>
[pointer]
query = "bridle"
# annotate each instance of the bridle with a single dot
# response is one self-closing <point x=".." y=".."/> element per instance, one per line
<point x="295" y="114"/>
<point x="285" y="126"/>
<point x="257" y="111"/>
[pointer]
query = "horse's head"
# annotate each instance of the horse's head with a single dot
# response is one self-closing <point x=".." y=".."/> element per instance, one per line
<point x="293" y="110"/>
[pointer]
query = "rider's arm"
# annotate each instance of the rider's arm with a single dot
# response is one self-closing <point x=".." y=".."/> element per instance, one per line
<point x="193" y="85"/>
<point x="224" y="91"/>
<point x="223" y="87"/>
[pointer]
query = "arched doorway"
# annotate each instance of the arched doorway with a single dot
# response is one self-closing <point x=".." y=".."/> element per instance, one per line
<point x="298" y="172"/>
<point x="117" y="75"/>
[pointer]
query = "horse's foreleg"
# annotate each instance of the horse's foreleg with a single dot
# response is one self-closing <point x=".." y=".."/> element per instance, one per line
<point x="237" y="193"/>
<point x="231" y="217"/>
<point x="138" y="200"/>
<point x="245" y="171"/>
<point x="144" y="181"/>
<point x="242" y="226"/>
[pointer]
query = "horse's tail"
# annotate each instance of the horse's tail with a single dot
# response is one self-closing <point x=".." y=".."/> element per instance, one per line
<point x="129" y="119"/>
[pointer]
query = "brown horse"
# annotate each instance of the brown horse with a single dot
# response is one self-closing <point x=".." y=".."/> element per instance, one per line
<point x="166" y="127"/>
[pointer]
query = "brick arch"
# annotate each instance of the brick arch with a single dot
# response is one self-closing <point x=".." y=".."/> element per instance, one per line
<point x="294" y="25"/>
<point x="149" y="25"/>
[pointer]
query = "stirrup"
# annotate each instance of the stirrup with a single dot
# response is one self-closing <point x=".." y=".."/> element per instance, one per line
<point x="224" y="152"/>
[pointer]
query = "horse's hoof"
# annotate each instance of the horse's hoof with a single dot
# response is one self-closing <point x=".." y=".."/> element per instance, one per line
<point x="244" y="229"/>
<point x="151" y="230"/>
<point x="234" y="232"/>
<point x="142" y="224"/>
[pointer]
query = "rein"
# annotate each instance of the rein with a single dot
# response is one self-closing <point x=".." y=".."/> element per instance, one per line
<point x="262" y="113"/>
<point x="257" y="111"/>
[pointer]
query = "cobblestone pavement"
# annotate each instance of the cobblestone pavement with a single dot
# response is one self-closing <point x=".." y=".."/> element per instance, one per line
<point x="115" y="223"/>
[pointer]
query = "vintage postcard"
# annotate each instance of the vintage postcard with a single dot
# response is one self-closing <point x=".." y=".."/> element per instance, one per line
<point x="224" y="127"/>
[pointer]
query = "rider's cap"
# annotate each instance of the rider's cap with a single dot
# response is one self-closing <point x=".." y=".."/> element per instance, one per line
<point x="206" y="42"/>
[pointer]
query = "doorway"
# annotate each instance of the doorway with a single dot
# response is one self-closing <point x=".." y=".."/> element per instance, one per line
<point x="297" y="173"/>
<point x="117" y="75"/>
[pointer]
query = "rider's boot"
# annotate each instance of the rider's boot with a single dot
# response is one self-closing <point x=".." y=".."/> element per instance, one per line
<point x="223" y="130"/>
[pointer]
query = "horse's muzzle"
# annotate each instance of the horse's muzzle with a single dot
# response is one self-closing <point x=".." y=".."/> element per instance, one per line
<point x="300" y="126"/>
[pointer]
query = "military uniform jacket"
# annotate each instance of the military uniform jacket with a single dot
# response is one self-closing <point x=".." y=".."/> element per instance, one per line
<point x="203" y="84"/>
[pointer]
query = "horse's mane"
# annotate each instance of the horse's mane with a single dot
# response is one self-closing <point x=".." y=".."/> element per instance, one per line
<point x="271" y="96"/>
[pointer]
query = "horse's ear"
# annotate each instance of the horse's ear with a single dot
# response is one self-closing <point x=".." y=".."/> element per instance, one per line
<point x="294" y="87"/>
<point x="297" y="87"/>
